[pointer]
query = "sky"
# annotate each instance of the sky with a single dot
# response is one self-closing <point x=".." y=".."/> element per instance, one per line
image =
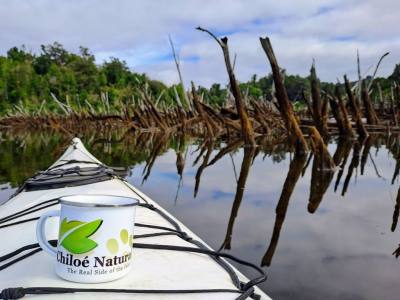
<point x="329" y="31"/>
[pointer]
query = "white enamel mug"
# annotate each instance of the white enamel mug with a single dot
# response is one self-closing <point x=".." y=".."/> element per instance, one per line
<point x="95" y="237"/>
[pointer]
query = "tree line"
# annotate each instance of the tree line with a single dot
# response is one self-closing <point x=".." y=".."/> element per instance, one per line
<point x="29" y="80"/>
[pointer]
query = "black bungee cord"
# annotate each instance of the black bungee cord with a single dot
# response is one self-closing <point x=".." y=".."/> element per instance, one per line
<point x="245" y="289"/>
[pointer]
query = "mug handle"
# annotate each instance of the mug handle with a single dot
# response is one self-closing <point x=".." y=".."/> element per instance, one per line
<point x="40" y="232"/>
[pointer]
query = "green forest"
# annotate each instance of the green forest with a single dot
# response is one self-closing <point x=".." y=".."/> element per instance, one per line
<point x="28" y="80"/>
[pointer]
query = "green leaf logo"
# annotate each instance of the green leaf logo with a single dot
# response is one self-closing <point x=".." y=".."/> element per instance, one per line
<point x="67" y="226"/>
<point x="77" y="240"/>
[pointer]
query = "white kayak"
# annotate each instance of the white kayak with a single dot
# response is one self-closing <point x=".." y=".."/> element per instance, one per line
<point x="152" y="269"/>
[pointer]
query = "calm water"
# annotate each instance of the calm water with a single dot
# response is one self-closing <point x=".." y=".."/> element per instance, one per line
<point x="324" y="236"/>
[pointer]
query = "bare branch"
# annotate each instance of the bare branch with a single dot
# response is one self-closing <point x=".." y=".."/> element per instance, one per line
<point x="177" y="63"/>
<point x="376" y="70"/>
<point x="212" y="35"/>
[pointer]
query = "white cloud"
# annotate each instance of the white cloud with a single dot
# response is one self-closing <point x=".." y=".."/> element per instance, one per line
<point x="329" y="31"/>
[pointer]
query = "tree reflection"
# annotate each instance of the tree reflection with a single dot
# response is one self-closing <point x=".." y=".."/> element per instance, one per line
<point x="160" y="146"/>
<point x="341" y="158"/>
<point x="320" y="181"/>
<point x="241" y="183"/>
<point x="181" y="154"/>
<point x="23" y="154"/>
<point x="321" y="177"/>
<point x="395" y="218"/>
<point x="208" y="148"/>
<point x="295" y="169"/>
<point x="394" y="148"/>
<point x="366" y="151"/>
<point x="353" y="165"/>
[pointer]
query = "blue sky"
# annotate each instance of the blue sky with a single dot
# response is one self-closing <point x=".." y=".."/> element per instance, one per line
<point x="137" y="31"/>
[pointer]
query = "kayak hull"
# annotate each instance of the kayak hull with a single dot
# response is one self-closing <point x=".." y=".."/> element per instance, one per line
<point x="151" y="269"/>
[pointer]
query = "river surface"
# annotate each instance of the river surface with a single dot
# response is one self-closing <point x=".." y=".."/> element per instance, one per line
<point x="319" y="235"/>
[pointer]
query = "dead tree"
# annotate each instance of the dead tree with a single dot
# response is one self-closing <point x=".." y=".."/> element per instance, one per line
<point x="397" y="94"/>
<point x="337" y="114"/>
<point x="348" y="131"/>
<point x="206" y="119"/>
<point x="247" y="128"/>
<point x="177" y="64"/>
<point x="319" y="108"/>
<point x="285" y="106"/>
<point x="369" y="108"/>
<point x="362" y="132"/>
<point x="308" y="103"/>
<point x="381" y="101"/>
<point x="393" y="108"/>
<point x="319" y="148"/>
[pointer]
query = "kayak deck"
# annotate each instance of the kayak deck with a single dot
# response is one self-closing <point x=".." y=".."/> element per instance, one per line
<point x="151" y="269"/>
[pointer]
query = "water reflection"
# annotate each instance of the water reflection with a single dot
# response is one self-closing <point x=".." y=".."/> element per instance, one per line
<point x="340" y="158"/>
<point x="181" y="154"/>
<point x="237" y="199"/>
<point x="320" y="180"/>
<point x="207" y="148"/>
<point x="395" y="218"/>
<point x="241" y="183"/>
<point x="295" y="169"/>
